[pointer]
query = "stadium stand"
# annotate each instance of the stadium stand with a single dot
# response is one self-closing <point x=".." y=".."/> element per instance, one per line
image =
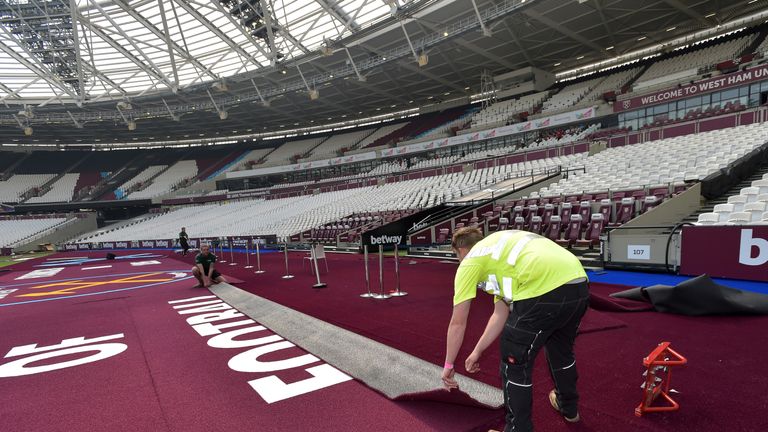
<point x="210" y="160"/>
<point x="448" y="129"/>
<point x="248" y="160"/>
<point x="380" y="133"/>
<point x="562" y="136"/>
<point x="14" y="189"/>
<point x="762" y="48"/>
<point x="287" y="216"/>
<point x="284" y="154"/>
<point x="687" y="64"/>
<point x="14" y="229"/>
<point x="61" y="190"/>
<point x="675" y="160"/>
<point x="612" y="83"/>
<point x="147" y="174"/>
<point x="569" y="96"/>
<point x="167" y="180"/>
<point x="426" y="122"/>
<point x="505" y="111"/>
<point x="748" y="207"/>
<point x="331" y="147"/>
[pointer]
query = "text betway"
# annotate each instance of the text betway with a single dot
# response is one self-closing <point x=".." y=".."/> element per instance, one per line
<point x="386" y="239"/>
<point x="209" y="316"/>
<point x="745" y="249"/>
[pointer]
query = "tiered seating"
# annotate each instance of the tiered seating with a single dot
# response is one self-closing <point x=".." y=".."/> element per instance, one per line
<point x="434" y="162"/>
<point x="387" y="168"/>
<point x="167" y="180"/>
<point x="676" y="68"/>
<point x="139" y="179"/>
<point x="87" y="180"/>
<point x="16" y="230"/>
<point x="380" y="133"/>
<point x="611" y="83"/>
<point x="17" y="185"/>
<point x="749" y="207"/>
<point x="350" y="228"/>
<point x="620" y="183"/>
<point x="62" y="190"/>
<point x="569" y="96"/>
<point x="763" y="47"/>
<point x="283" y="154"/>
<point x="249" y="160"/>
<point x="673" y="160"/>
<point x="424" y="123"/>
<point x="287" y="216"/>
<point x="447" y="130"/>
<point x="501" y="112"/>
<point x="330" y="147"/>
<point x="210" y="160"/>
<point x="568" y="136"/>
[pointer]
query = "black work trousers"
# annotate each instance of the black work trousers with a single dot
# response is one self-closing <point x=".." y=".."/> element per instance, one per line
<point x="550" y="321"/>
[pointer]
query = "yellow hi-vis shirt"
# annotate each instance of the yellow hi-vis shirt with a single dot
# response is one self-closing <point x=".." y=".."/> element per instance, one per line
<point x="515" y="265"/>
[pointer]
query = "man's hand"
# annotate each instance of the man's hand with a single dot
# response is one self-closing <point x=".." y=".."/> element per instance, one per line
<point x="472" y="364"/>
<point x="207" y="282"/>
<point x="448" y="381"/>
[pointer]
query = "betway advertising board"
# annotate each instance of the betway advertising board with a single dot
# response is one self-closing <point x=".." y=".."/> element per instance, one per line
<point x="720" y="82"/>
<point x="738" y="252"/>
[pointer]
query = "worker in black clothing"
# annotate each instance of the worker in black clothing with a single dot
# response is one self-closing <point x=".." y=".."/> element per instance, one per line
<point x="184" y="241"/>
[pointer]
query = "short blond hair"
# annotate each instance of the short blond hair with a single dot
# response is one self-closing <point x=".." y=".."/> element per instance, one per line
<point x="466" y="237"/>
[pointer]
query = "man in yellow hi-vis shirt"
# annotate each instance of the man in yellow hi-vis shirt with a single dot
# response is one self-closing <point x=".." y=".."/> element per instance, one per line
<point x="541" y="293"/>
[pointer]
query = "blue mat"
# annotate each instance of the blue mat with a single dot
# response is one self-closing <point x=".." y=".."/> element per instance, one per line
<point x="636" y="279"/>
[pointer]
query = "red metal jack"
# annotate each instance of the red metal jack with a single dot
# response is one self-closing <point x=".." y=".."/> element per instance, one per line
<point x="658" y="378"/>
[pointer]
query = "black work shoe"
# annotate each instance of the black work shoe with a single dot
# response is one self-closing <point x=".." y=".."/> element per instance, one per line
<point x="556" y="406"/>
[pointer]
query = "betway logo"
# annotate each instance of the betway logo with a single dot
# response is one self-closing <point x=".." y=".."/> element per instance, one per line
<point x="745" y="249"/>
<point x="385" y="239"/>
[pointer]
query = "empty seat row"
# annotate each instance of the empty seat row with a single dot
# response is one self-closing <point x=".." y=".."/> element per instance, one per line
<point x="750" y="206"/>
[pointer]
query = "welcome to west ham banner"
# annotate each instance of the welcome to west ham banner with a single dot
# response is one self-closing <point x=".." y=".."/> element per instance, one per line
<point x="720" y="82"/>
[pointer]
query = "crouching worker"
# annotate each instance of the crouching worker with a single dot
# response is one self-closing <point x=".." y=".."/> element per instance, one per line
<point x="541" y="293"/>
<point x="204" y="269"/>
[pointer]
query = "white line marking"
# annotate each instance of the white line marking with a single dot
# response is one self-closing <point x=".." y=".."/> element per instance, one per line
<point x="96" y="267"/>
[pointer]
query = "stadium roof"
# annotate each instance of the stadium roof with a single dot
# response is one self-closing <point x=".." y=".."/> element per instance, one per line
<point x="82" y="71"/>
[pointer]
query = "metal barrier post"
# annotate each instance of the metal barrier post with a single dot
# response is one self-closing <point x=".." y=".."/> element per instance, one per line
<point x="258" y="257"/>
<point x="231" y="252"/>
<point x="248" y="253"/>
<point x="367" y="294"/>
<point x="381" y="295"/>
<point x="221" y="251"/>
<point x="287" y="274"/>
<point x="397" y="292"/>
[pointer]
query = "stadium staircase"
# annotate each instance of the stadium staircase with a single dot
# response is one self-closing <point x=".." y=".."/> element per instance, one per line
<point x="628" y="86"/>
<point x="105" y="189"/>
<point x="149" y="181"/>
<point x="709" y="205"/>
<point x="215" y="166"/>
<point x="752" y="47"/>
<point x="42" y="190"/>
